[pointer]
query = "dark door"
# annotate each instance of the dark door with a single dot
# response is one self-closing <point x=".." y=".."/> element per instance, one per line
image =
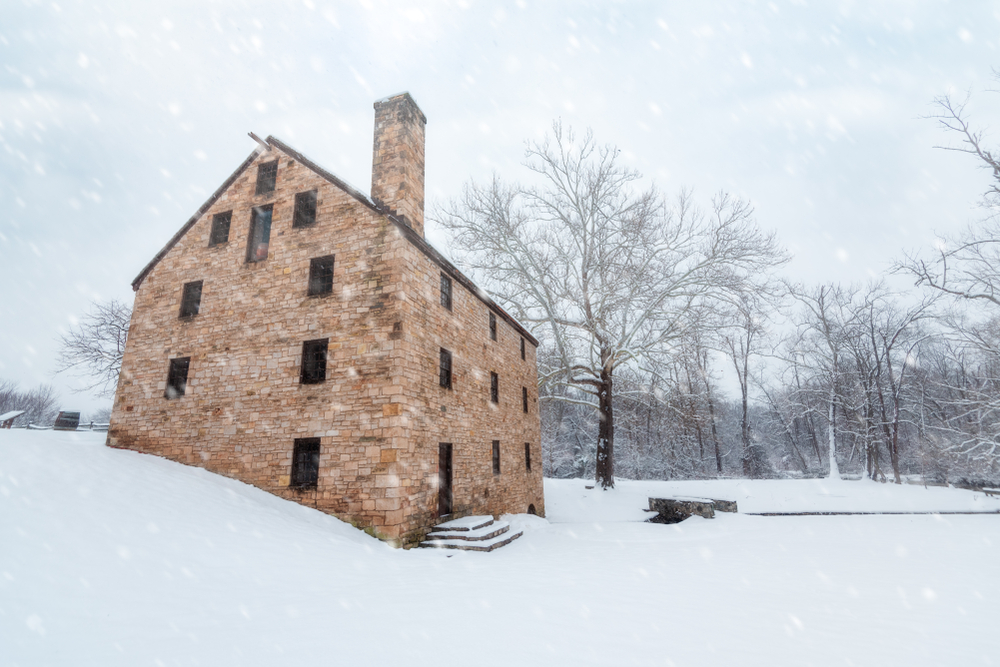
<point x="444" y="478"/>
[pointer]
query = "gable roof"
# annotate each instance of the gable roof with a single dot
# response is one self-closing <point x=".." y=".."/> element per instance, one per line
<point x="408" y="233"/>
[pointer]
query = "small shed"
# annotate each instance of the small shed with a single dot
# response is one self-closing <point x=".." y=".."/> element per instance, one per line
<point x="7" y="418"/>
<point x="67" y="421"/>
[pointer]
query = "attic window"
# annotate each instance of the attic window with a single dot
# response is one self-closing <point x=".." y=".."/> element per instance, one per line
<point x="305" y="463"/>
<point x="305" y="209"/>
<point x="267" y="177"/>
<point x="445" y="374"/>
<point x="191" y="299"/>
<point x="314" y="361"/>
<point x="446" y="291"/>
<point x="494" y="387"/>
<point x="320" y="275"/>
<point x="493" y="326"/>
<point x="260" y="233"/>
<point x="177" y="377"/>
<point x="496" y="457"/>
<point x="220" y="228"/>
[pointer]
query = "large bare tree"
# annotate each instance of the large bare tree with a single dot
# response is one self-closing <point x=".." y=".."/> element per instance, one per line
<point x="604" y="272"/>
<point x="93" y="348"/>
<point x="967" y="268"/>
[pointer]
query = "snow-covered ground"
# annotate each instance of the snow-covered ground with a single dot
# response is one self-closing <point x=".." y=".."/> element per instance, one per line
<point x="114" y="558"/>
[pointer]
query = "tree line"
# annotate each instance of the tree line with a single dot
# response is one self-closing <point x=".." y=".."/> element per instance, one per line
<point x="638" y="299"/>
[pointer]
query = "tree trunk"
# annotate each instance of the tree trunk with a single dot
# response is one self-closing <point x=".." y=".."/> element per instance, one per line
<point x="832" y="433"/>
<point x="605" y="432"/>
<point x="748" y="467"/>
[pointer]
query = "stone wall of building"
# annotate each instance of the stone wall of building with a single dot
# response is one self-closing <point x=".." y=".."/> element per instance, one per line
<point x="379" y="415"/>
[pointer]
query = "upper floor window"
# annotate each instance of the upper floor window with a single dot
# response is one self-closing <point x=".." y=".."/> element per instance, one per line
<point x="305" y="209"/>
<point x="445" y="374"/>
<point x="496" y="457"/>
<point x="191" y="299"/>
<point x="446" y="291"/>
<point x="260" y="233"/>
<point x="493" y="326"/>
<point x="494" y="387"/>
<point x="524" y="398"/>
<point x="305" y="463"/>
<point x="177" y="377"/>
<point x="314" y="361"/>
<point x="320" y="275"/>
<point x="220" y="228"/>
<point x="522" y="348"/>
<point x="267" y="177"/>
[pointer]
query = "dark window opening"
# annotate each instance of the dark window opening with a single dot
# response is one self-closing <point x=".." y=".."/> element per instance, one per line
<point x="220" y="228"/>
<point x="531" y="509"/>
<point x="493" y="326"/>
<point x="522" y="348"/>
<point x="496" y="457"/>
<point x="446" y="291"/>
<point x="320" y="275"/>
<point x="305" y="463"/>
<point x="445" y="495"/>
<point x="260" y="233"/>
<point x="314" y="361"/>
<point x="305" y="209"/>
<point x="494" y="388"/>
<point x="527" y="456"/>
<point x="177" y="377"/>
<point x="191" y="299"/>
<point x="445" y="377"/>
<point x="267" y="177"/>
<point x="524" y="399"/>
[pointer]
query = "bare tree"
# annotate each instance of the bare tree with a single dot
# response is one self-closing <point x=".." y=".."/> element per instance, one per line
<point x="607" y="275"/>
<point x="94" y="347"/>
<point x="967" y="268"/>
<point x="824" y="329"/>
<point x="39" y="404"/>
<point x="745" y="338"/>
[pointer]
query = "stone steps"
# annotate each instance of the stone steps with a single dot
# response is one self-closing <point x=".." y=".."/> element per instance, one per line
<point x="471" y="533"/>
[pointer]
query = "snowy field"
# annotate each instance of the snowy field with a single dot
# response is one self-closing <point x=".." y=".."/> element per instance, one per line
<point x="115" y="558"/>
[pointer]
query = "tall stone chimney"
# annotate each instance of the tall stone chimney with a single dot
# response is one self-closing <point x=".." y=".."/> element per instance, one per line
<point x="398" y="159"/>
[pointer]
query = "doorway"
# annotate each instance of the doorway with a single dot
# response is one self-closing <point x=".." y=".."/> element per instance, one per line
<point x="444" y="479"/>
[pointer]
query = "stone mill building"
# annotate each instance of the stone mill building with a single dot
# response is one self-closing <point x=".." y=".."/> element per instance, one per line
<point x="304" y="338"/>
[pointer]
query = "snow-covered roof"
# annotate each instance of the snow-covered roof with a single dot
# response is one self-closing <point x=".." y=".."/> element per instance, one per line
<point x="10" y="415"/>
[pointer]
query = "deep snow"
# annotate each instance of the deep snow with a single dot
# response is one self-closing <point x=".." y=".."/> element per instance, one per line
<point x="114" y="558"/>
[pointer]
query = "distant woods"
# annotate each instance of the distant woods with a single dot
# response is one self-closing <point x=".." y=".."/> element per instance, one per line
<point x="40" y="404"/>
<point x="640" y="302"/>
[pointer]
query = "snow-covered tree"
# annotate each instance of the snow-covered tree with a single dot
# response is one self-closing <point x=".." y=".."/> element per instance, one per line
<point x="606" y="274"/>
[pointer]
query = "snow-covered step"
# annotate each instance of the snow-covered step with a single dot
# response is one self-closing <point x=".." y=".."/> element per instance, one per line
<point x="491" y="530"/>
<point x="466" y="523"/>
<point x="503" y="539"/>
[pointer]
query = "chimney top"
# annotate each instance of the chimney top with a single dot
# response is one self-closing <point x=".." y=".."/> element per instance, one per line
<point x="398" y="159"/>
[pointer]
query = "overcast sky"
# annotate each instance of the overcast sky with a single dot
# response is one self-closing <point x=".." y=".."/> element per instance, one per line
<point x="118" y="119"/>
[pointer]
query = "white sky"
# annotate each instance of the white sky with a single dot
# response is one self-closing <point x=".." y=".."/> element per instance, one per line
<point x="118" y="119"/>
